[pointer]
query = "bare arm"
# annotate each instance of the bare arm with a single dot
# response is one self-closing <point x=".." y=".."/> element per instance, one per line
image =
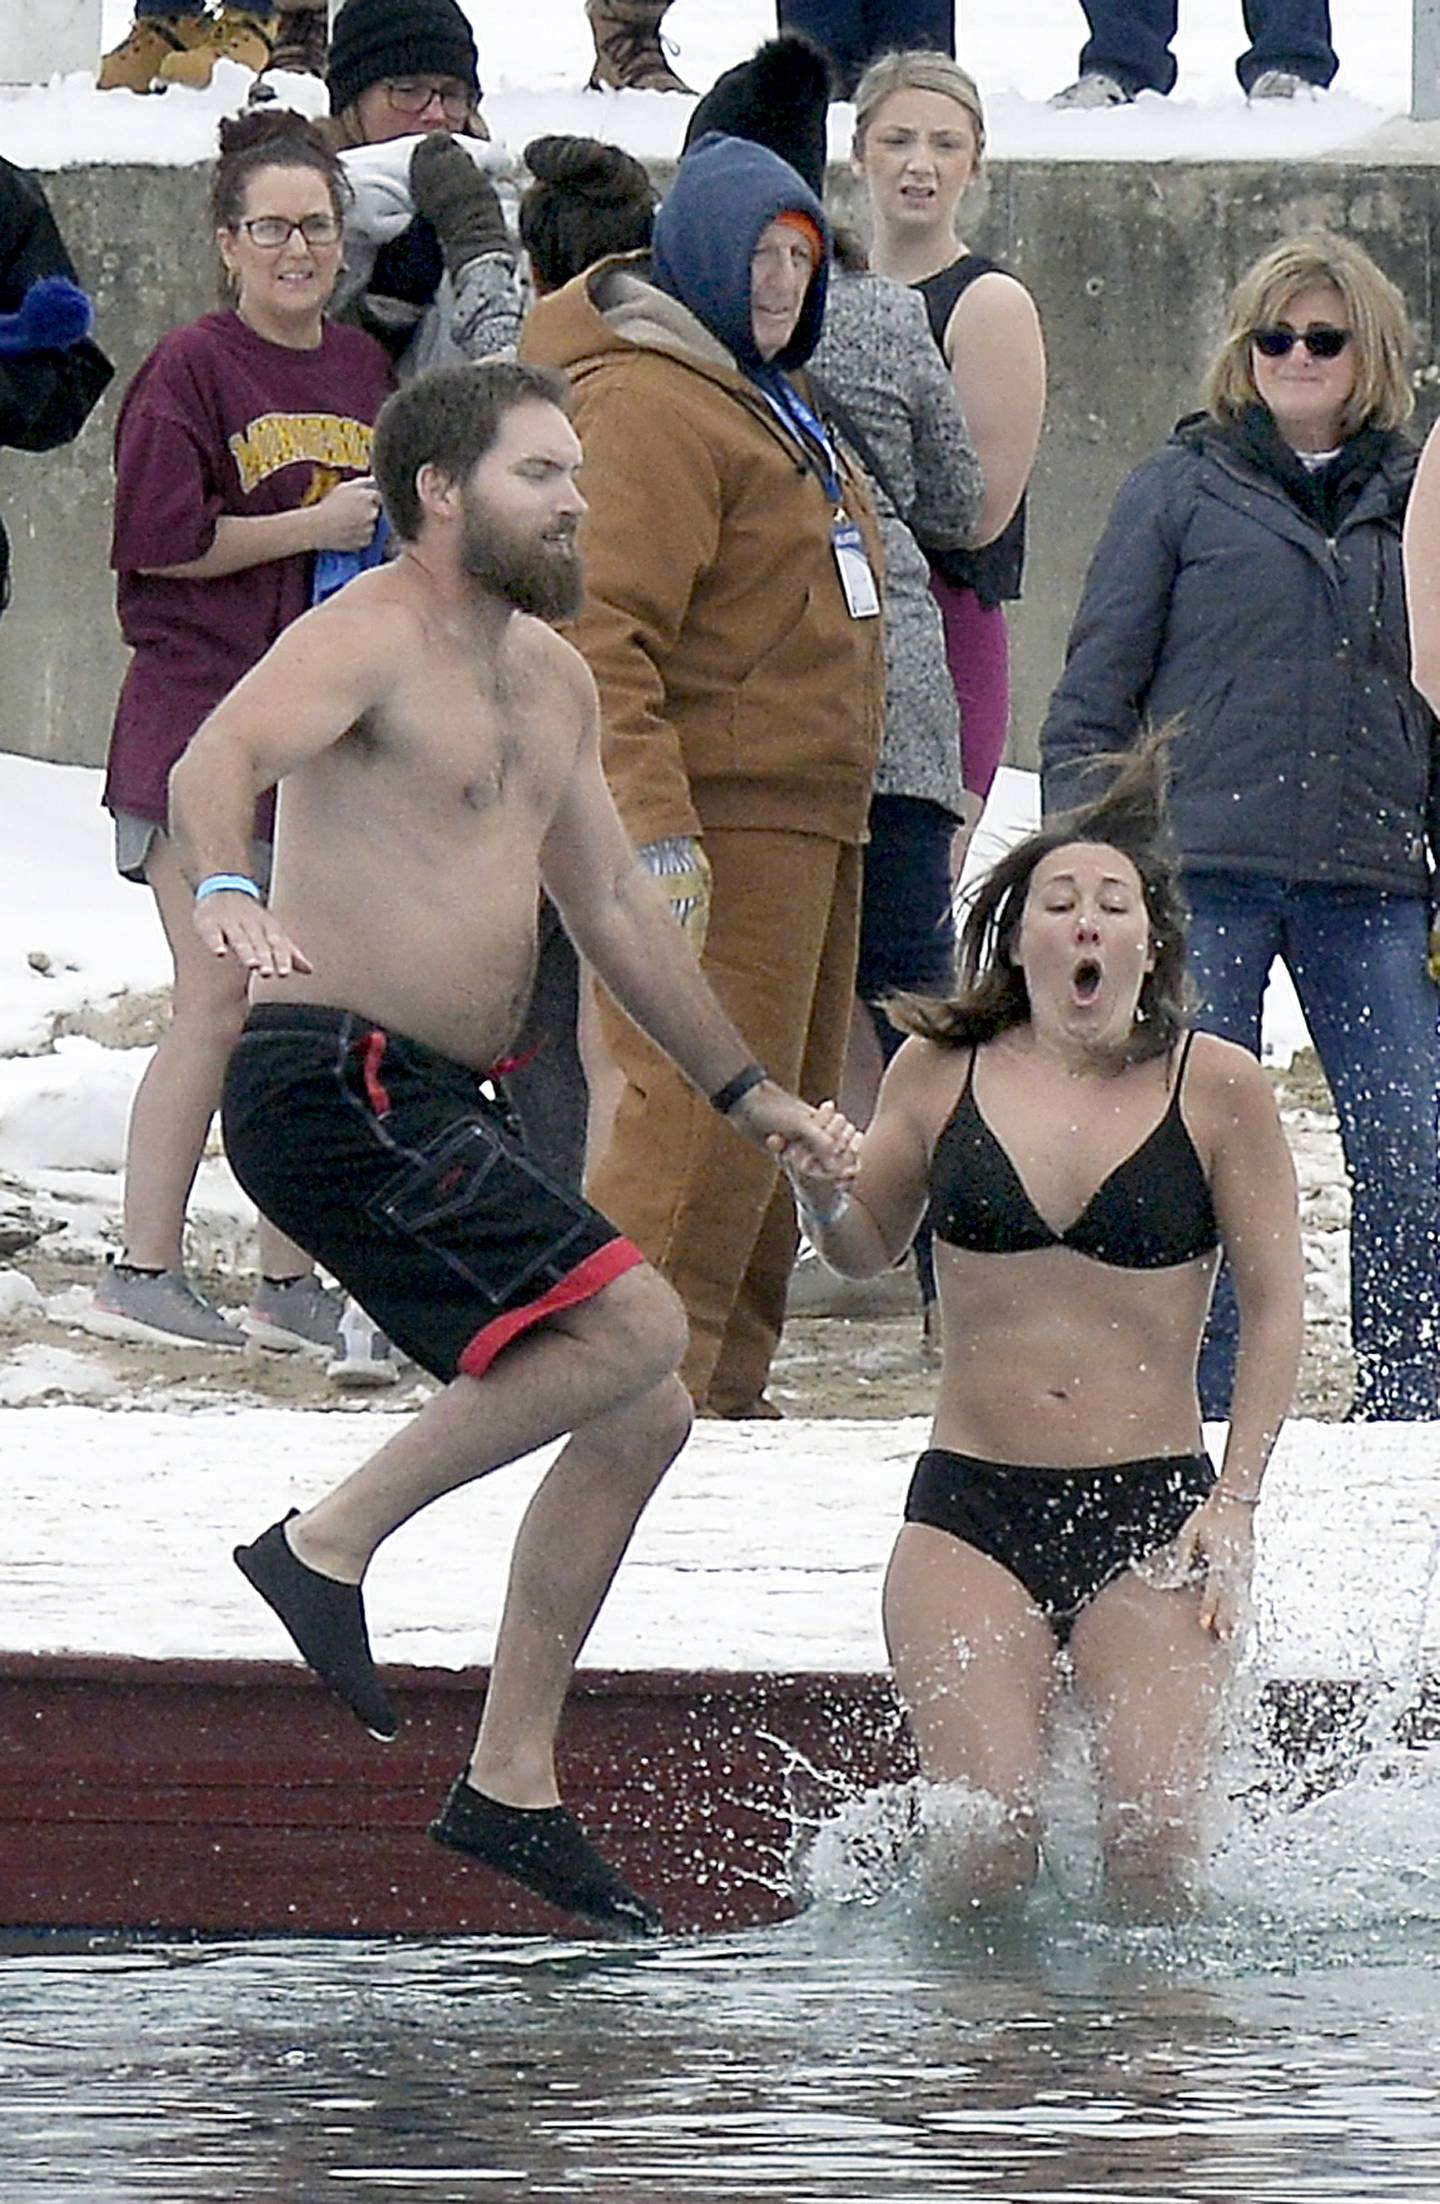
<point x="342" y="521"/>
<point x="621" y="921"/>
<point x="996" y="352"/>
<point x="1252" y="1185"/>
<point x="312" y="685"/>
<point x="868" y="1227"/>
<point x="1422" y="572"/>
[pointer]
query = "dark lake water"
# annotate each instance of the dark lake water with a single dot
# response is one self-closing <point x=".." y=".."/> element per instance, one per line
<point x="1284" y="2047"/>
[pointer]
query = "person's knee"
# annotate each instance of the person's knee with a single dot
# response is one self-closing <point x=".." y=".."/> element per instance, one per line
<point x="980" y="1851"/>
<point x="641" y="1324"/>
<point x="1151" y="1852"/>
<point x="209" y="1007"/>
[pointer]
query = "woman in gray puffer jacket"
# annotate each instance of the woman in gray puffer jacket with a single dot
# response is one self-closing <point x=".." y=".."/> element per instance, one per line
<point x="1249" y="585"/>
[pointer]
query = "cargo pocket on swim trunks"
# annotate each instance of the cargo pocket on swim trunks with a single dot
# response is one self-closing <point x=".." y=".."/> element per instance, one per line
<point x="479" y="1210"/>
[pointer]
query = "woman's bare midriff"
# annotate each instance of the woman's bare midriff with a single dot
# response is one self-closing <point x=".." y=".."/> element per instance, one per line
<point x="1053" y="1360"/>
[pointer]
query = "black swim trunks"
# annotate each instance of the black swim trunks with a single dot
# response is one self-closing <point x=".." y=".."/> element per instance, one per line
<point x="1064" y="1533"/>
<point x="387" y="1163"/>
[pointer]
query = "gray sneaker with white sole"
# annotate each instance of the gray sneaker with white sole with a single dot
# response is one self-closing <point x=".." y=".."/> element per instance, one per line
<point x="295" y="1316"/>
<point x="161" y="1306"/>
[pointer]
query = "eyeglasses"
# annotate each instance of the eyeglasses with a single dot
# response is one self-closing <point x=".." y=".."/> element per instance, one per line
<point x="1320" y="342"/>
<point x="409" y="97"/>
<point x="271" y="231"/>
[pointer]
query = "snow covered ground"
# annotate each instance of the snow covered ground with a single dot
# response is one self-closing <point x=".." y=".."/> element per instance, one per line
<point x="534" y="63"/>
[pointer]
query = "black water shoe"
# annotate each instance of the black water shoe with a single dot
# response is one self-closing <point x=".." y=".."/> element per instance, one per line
<point x="544" y="1848"/>
<point x="327" y="1621"/>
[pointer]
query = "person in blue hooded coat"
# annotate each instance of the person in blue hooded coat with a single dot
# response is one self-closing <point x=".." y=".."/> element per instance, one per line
<point x="731" y="621"/>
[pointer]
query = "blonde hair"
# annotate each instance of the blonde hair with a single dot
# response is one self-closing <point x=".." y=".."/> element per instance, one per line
<point x="917" y="72"/>
<point x="1375" y="314"/>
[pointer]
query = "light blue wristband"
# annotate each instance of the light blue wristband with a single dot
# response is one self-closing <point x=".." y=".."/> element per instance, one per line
<point x="219" y="882"/>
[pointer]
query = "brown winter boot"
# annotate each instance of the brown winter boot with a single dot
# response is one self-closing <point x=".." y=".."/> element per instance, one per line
<point x="134" y="64"/>
<point x="246" y="35"/>
<point x="629" y="56"/>
<point x="302" y="42"/>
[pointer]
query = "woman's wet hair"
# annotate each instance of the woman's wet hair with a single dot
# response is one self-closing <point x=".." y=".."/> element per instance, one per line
<point x="1375" y="315"/>
<point x="991" y="994"/>
<point x="587" y="200"/>
<point x="921" y="71"/>
<point x="269" y="137"/>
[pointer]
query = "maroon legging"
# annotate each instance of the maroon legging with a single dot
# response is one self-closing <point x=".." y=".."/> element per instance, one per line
<point x="977" y="647"/>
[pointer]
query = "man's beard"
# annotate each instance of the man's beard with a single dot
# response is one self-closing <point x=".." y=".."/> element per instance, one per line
<point x="533" y="575"/>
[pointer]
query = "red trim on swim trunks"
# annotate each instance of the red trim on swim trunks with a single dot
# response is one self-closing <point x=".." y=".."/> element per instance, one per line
<point x="374" y="1057"/>
<point x="507" y="1064"/>
<point x="581" y="1284"/>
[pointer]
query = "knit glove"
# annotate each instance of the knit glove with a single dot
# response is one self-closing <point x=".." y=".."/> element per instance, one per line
<point x="53" y="315"/>
<point x="683" y="871"/>
<point x="458" y="200"/>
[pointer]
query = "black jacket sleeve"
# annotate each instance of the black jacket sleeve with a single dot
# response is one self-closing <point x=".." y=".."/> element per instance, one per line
<point x="1119" y="627"/>
<point x="45" y="397"/>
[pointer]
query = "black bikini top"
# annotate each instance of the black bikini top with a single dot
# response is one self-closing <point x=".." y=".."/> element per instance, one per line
<point x="1154" y="1210"/>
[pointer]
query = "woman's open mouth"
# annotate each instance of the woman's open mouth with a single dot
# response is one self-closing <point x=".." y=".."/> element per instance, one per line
<point x="1086" y="980"/>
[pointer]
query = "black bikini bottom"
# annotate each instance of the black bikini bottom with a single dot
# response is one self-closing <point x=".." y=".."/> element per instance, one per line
<point x="1064" y="1533"/>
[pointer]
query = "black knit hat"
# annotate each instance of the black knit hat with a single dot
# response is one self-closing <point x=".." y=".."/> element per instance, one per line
<point x="375" y="39"/>
<point x="777" y="98"/>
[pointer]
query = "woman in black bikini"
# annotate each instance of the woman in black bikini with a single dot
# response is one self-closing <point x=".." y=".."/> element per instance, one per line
<point x="1084" y="1159"/>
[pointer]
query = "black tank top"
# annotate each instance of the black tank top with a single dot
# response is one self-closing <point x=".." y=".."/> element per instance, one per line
<point x="1153" y="1211"/>
<point x="994" y="573"/>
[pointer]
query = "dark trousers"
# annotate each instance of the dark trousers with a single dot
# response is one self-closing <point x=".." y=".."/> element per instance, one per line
<point x="1357" y="958"/>
<point x="1130" y="41"/>
<point x="853" y="32"/>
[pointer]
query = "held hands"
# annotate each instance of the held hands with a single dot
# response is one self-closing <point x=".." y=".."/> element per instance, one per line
<point x="1214" y="1547"/>
<point x="344" y="520"/>
<point x="818" y="1149"/>
<point x="232" y="923"/>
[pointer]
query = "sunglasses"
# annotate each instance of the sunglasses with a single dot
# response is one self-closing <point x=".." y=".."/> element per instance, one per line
<point x="1320" y="342"/>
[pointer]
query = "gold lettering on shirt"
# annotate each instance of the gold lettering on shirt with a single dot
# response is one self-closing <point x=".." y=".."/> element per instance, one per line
<point x="277" y="440"/>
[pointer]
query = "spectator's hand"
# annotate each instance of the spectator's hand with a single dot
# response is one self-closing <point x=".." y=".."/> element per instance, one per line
<point x="680" y="865"/>
<point x="1214" y="1547"/>
<point x="231" y="923"/>
<point x="458" y="200"/>
<point x="345" y="518"/>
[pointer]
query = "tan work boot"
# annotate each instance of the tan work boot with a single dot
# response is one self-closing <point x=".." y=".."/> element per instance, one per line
<point x="302" y="40"/>
<point x="629" y="56"/>
<point x="235" y="34"/>
<point x="134" y="65"/>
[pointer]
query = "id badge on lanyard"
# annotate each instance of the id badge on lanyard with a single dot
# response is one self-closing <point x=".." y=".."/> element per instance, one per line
<point x="857" y="580"/>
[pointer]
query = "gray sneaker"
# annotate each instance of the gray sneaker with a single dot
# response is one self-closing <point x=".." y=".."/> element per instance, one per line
<point x="157" y="1306"/>
<point x="1283" y="84"/>
<point x="294" y="1316"/>
<point x="1093" y="89"/>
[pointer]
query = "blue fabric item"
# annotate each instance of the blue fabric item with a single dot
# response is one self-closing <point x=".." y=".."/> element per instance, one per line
<point x="53" y="315"/>
<point x="1358" y="963"/>
<point x="726" y="192"/>
<point x="333" y="569"/>
<point x="1130" y="41"/>
<point x="165" y="8"/>
<point x="856" y="32"/>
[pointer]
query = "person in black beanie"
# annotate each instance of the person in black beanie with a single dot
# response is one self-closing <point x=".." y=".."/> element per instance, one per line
<point x="51" y="375"/>
<point x="442" y="289"/>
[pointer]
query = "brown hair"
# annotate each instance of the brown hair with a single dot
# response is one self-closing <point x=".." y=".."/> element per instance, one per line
<point x="587" y="200"/>
<point x="269" y="137"/>
<point x="1375" y="314"/>
<point x="921" y="71"/>
<point x="991" y="994"/>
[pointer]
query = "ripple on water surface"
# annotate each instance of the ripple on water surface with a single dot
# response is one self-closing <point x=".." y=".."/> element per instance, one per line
<point x="1280" y="2048"/>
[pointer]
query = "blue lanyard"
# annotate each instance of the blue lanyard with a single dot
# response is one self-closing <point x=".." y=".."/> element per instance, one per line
<point x="786" y="403"/>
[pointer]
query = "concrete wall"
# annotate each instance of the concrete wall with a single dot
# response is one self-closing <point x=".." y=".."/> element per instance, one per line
<point x="1131" y="267"/>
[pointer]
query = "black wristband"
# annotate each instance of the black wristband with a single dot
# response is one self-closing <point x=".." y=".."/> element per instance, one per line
<point x="725" y="1098"/>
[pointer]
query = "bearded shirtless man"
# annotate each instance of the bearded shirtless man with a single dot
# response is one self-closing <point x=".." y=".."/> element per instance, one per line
<point x="439" y="749"/>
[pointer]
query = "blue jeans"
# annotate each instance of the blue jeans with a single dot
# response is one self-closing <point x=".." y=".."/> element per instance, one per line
<point x="853" y="32"/>
<point x="1357" y="958"/>
<point x="168" y="7"/>
<point x="1130" y="41"/>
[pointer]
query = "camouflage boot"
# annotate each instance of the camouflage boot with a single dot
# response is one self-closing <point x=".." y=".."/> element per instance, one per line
<point x="629" y="55"/>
